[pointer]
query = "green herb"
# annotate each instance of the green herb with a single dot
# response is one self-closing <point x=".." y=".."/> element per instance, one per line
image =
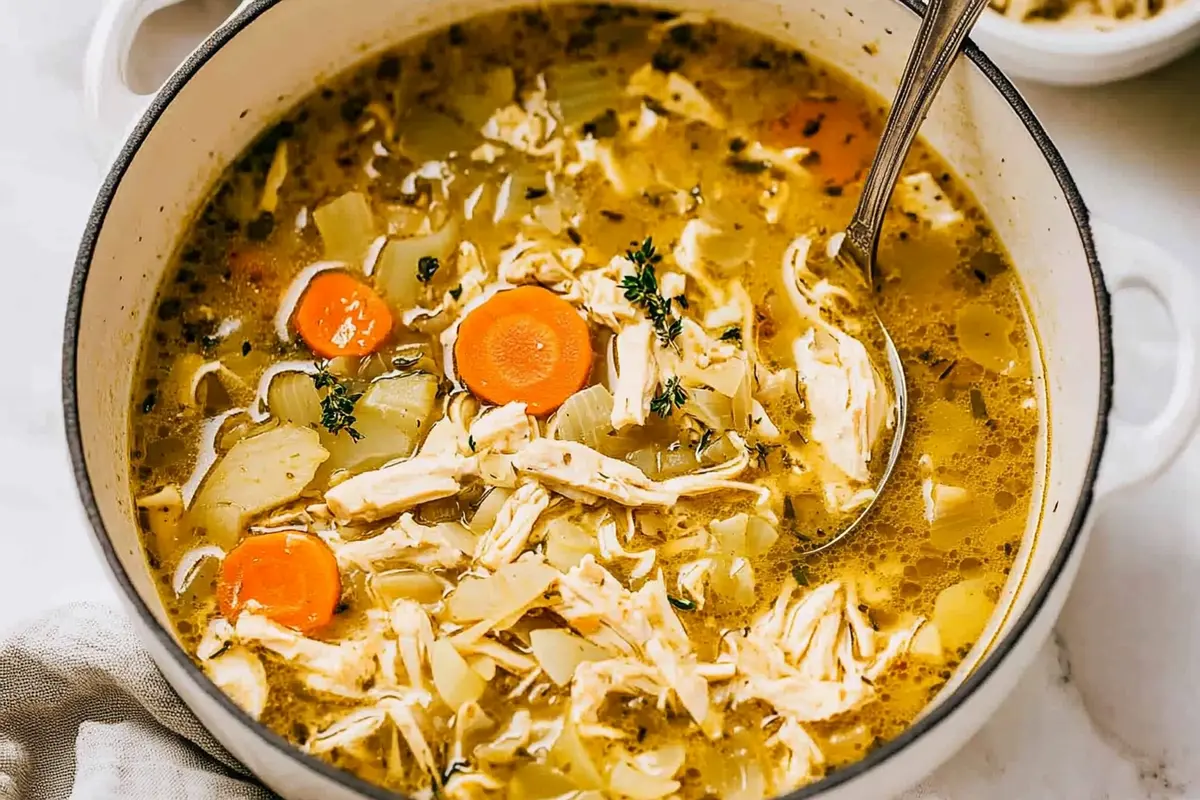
<point x="681" y="603"/>
<point x="760" y="452"/>
<point x="641" y="289"/>
<point x="682" y="301"/>
<point x="705" y="441"/>
<point x="671" y="397"/>
<point x="732" y="335"/>
<point x="426" y="267"/>
<point x="471" y="443"/>
<point x="337" y="406"/>
<point x="978" y="406"/>
<point x="456" y="292"/>
<point x="800" y="573"/>
<point x="536" y="193"/>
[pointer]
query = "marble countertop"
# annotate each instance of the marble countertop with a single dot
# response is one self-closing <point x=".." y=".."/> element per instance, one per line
<point x="1108" y="710"/>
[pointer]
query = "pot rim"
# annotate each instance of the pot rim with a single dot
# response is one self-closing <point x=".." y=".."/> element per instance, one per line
<point x="991" y="662"/>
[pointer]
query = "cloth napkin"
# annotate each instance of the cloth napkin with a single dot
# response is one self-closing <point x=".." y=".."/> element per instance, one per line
<point x="85" y="714"/>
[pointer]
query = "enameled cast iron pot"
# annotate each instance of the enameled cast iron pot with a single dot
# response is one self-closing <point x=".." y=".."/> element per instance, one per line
<point x="273" y="52"/>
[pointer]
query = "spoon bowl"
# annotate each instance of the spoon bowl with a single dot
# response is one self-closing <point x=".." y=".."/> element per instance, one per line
<point x="943" y="30"/>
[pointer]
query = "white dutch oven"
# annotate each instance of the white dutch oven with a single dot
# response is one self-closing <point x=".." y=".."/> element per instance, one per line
<point x="273" y="52"/>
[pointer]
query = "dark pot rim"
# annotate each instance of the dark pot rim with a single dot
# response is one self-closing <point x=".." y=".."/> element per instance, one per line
<point x="891" y="749"/>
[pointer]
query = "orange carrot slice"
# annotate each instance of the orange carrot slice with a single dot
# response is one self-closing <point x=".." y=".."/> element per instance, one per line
<point x="837" y="130"/>
<point x="524" y="345"/>
<point x="342" y="316"/>
<point x="291" y="578"/>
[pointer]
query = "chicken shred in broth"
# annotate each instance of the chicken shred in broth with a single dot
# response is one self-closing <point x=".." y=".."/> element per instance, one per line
<point x="501" y="389"/>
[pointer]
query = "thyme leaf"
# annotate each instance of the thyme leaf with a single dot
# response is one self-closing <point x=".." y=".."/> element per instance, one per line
<point x="681" y="603"/>
<point x="641" y="289"/>
<point x="671" y="397"/>
<point x="337" y="406"/>
<point x="426" y="267"/>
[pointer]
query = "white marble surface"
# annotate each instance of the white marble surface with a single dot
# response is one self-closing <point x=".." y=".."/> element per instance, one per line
<point x="1109" y="710"/>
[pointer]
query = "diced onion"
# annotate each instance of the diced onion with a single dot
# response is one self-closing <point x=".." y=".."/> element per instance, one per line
<point x="257" y="474"/>
<point x="293" y="398"/>
<point x="567" y="544"/>
<point x="961" y="611"/>
<point x="427" y="135"/>
<point x="276" y="175"/>
<point x="393" y="417"/>
<point x="513" y="588"/>
<point x="559" y="652"/>
<point x="927" y="643"/>
<point x="630" y="782"/>
<point x="347" y="227"/>
<point x="192" y="564"/>
<point x="405" y="584"/>
<point x="453" y="678"/>
<point x="489" y="508"/>
<point x="984" y="334"/>
<point x="534" y="781"/>
<point x="713" y="409"/>
<point x="396" y="270"/>
<point x="571" y="755"/>
<point x="760" y="536"/>
<point x="585" y="91"/>
<point x="497" y="88"/>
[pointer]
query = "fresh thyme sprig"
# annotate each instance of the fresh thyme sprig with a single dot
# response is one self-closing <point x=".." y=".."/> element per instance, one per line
<point x="641" y="288"/>
<point x="337" y="406"/>
<point x="671" y="397"/>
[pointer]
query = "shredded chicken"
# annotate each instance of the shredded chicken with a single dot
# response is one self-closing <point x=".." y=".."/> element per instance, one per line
<point x="405" y="710"/>
<point x="414" y="636"/>
<point x="341" y="669"/>
<point x="240" y="674"/>
<point x="585" y="471"/>
<point x="637" y="375"/>
<point x="529" y="261"/>
<point x="387" y="491"/>
<point x="846" y="397"/>
<point x="510" y="533"/>
<point x="812" y="657"/>
<point x="653" y="654"/>
<point x="921" y="196"/>
<point x="676" y="94"/>
<point x="504" y="429"/>
<point x="405" y="540"/>
<point x="529" y="127"/>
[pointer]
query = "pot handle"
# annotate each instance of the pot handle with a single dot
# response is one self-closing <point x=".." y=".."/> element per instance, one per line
<point x="1138" y="453"/>
<point x="112" y="108"/>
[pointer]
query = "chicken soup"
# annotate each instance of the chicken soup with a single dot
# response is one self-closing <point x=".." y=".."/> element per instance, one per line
<point x="503" y="392"/>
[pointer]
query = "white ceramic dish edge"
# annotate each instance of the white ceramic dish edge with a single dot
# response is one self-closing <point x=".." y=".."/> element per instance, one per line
<point x="1133" y="454"/>
<point x="1069" y="56"/>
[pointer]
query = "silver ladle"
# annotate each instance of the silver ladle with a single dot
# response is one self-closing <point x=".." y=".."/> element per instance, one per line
<point x="943" y="30"/>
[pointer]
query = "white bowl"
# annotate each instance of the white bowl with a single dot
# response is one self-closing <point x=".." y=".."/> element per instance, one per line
<point x="1069" y="55"/>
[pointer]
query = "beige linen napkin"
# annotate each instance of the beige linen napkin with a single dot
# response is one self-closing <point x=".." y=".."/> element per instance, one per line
<point x="85" y="714"/>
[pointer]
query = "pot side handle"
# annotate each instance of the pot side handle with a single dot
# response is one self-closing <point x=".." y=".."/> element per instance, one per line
<point x="112" y="108"/>
<point x="1139" y="452"/>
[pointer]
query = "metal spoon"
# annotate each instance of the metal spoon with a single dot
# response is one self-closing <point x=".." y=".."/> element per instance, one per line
<point x="943" y="30"/>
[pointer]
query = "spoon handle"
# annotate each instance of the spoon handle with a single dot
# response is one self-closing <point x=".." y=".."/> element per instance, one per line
<point x="943" y="30"/>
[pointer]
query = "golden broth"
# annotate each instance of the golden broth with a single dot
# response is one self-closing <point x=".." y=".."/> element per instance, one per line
<point x="949" y="297"/>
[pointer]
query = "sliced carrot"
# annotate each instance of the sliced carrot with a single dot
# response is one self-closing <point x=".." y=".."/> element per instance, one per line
<point x="524" y="345"/>
<point x="340" y="315"/>
<point x="837" y="130"/>
<point x="291" y="578"/>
